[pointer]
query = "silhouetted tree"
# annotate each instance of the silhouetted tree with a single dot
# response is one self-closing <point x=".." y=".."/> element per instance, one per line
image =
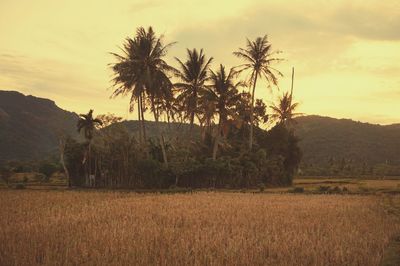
<point x="258" y="55"/>
<point x="223" y="91"/>
<point x="142" y="72"/>
<point x="88" y="124"/>
<point x="284" y="111"/>
<point x="193" y="74"/>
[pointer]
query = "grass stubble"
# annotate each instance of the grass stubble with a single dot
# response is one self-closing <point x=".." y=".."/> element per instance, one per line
<point x="116" y="228"/>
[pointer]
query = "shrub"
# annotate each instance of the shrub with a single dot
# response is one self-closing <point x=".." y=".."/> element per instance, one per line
<point x="20" y="186"/>
<point x="297" y="190"/>
<point x="335" y="190"/>
<point x="261" y="187"/>
<point x="324" y="189"/>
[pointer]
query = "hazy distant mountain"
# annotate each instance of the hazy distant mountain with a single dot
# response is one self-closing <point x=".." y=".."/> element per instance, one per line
<point x="324" y="139"/>
<point x="28" y="126"/>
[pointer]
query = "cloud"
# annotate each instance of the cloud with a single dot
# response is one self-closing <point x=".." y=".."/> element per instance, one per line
<point x="367" y="22"/>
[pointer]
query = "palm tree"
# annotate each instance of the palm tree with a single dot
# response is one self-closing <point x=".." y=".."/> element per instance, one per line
<point x="193" y="74"/>
<point x="142" y="72"/>
<point x="284" y="111"/>
<point x="88" y="124"/>
<point x="223" y="91"/>
<point x="259" y="56"/>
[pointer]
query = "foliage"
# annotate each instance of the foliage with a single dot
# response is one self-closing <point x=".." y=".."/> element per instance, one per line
<point x="48" y="168"/>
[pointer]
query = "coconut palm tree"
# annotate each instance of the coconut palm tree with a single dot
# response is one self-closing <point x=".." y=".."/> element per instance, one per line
<point x="259" y="57"/>
<point x="223" y="91"/>
<point x="193" y="74"/>
<point x="87" y="124"/>
<point x="284" y="111"/>
<point x="140" y="69"/>
<point x="142" y="72"/>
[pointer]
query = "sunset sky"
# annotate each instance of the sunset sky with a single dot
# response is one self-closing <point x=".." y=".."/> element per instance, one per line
<point x="346" y="53"/>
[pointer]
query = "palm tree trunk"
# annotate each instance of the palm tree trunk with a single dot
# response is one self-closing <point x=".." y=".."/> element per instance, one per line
<point x="62" y="149"/>
<point x="160" y="138"/>
<point x="191" y="125"/>
<point x="89" y="161"/>
<point x="216" y="140"/>
<point x="146" y="151"/>
<point x="143" y="119"/>
<point x="252" y="113"/>
<point x="140" y="123"/>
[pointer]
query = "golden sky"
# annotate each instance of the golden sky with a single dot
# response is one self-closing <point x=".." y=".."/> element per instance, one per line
<point x="346" y="53"/>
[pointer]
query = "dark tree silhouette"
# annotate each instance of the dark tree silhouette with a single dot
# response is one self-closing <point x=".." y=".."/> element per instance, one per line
<point x="259" y="56"/>
<point x="87" y="124"/>
<point x="193" y="74"/>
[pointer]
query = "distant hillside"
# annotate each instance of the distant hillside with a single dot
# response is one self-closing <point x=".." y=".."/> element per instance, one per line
<point x="28" y="126"/>
<point x="324" y="140"/>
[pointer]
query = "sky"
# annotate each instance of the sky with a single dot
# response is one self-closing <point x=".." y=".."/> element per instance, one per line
<point x="346" y="54"/>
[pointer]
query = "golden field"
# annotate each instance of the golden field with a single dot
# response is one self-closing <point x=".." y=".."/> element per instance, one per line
<point x="119" y="228"/>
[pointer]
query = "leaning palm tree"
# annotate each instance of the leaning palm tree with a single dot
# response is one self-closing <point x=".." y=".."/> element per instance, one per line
<point x="223" y="90"/>
<point x="87" y="124"/>
<point x="142" y="72"/>
<point x="193" y="74"/>
<point x="284" y="111"/>
<point x="259" y="57"/>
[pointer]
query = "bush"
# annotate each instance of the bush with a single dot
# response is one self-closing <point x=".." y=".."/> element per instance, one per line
<point x="297" y="190"/>
<point x="20" y="186"/>
<point x="261" y="187"/>
<point x="324" y="189"/>
<point x="48" y="169"/>
<point x="335" y="190"/>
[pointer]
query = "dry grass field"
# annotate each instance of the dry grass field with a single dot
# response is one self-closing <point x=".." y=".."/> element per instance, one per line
<point x="118" y="228"/>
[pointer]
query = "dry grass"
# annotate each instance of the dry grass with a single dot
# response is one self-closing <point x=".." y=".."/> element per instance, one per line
<point x="103" y="228"/>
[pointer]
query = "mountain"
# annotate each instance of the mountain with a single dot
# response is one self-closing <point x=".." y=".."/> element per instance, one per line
<point x="329" y="142"/>
<point x="29" y="126"/>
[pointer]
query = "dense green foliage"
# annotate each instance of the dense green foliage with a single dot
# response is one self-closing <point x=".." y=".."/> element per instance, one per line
<point x="119" y="160"/>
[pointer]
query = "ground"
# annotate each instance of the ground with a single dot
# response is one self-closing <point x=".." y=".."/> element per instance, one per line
<point x="53" y="227"/>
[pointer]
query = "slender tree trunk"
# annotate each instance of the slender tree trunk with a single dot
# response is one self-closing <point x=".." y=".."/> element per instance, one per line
<point x="252" y="113"/>
<point x="62" y="144"/>
<point x="216" y="140"/>
<point x="193" y="107"/>
<point x="146" y="151"/>
<point x="191" y="124"/>
<point x="143" y="119"/>
<point x="160" y="138"/>
<point x="89" y="162"/>
<point x="140" y="123"/>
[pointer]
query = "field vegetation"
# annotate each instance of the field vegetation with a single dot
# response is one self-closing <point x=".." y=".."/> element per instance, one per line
<point x="103" y="228"/>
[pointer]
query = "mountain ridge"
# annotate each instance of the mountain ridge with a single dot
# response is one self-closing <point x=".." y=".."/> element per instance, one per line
<point x="29" y="125"/>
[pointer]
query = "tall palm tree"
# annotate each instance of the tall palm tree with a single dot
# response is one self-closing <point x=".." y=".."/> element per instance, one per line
<point x="223" y="90"/>
<point x="284" y="111"/>
<point x="259" y="57"/>
<point x="88" y="124"/>
<point x="193" y="74"/>
<point x="142" y="72"/>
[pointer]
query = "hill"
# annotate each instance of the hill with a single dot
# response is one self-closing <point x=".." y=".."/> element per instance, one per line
<point x="328" y="141"/>
<point x="29" y="126"/>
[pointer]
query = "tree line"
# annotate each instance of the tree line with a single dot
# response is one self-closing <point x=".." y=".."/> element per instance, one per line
<point x="207" y="126"/>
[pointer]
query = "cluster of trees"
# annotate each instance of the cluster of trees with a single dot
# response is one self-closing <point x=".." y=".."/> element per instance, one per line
<point x="227" y="149"/>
